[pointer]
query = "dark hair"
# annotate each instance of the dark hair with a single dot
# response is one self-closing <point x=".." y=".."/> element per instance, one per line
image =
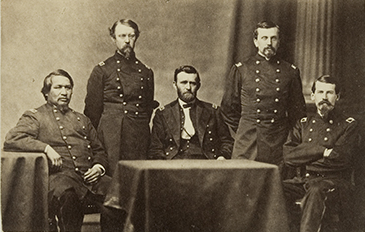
<point x="327" y="79"/>
<point x="265" y="24"/>
<point x="187" y="69"/>
<point x="125" y="22"/>
<point x="47" y="83"/>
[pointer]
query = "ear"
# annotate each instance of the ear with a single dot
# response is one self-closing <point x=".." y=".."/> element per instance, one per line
<point x="174" y="84"/>
<point x="112" y="38"/>
<point x="312" y="96"/>
<point x="255" y="42"/>
<point x="338" y="97"/>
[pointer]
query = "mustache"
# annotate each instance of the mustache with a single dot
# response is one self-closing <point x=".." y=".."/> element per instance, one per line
<point x="325" y="102"/>
<point x="270" y="47"/>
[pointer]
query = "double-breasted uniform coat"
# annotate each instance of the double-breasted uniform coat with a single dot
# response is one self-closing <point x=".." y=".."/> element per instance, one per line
<point x="72" y="136"/>
<point x="213" y="135"/>
<point x="321" y="178"/>
<point x="119" y="103"/>
<point x="262" y="100"/>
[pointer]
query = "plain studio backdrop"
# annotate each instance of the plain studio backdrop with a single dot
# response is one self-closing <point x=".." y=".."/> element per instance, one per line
<point x="39" y="36"/>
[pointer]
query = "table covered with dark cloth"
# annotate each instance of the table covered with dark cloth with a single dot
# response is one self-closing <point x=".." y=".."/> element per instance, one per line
<point x="24" y="189"/>
<point x="199" y="195"/>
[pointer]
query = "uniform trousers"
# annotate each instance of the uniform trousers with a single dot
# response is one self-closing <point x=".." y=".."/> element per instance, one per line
<point x="69" y="211"/>
<point x="320" y="198"/>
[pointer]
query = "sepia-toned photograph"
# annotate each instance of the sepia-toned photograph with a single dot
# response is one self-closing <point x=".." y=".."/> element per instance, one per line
<point x="183" y="115"/>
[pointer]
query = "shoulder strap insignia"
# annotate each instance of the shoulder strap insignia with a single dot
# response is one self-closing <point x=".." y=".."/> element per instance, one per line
<point x="147" y="67"/>
<point x="303" y="119"/>
<point x="214" y="106"/>
<point x="33" y="111"/>
<point x="101" y="63"/>
<point x="350" y="120"/>
<point x="161" y="108"/>
<point x="293" y="66"/>
<point x="239" y="64"/>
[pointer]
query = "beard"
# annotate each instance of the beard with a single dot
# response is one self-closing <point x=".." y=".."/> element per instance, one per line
<point x="126" y="51"/>
<point x="187" y="96"/>
<point x="269" y="51"/>
<point x="325" y="107"/>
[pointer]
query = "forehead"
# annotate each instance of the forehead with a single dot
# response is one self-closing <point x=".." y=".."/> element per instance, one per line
<point x="60" y="80"/>
<point x="325" y="86"/>
<point x="269" y="32"/>
<point x="183" y="76"/>
<point x="123" y="29"/>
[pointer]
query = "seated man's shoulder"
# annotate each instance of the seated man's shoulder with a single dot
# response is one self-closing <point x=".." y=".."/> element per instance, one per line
<point x="210" y="106"/>
<point x="36" y="111"/>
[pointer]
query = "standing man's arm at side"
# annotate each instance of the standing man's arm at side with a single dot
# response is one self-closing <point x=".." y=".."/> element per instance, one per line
<point x="231" y="102"/>
<point x="95" y="96"/>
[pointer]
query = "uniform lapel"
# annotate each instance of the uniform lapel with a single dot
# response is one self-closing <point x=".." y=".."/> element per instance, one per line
<point x="202" y="118"/>
<point x="172" y="116"/>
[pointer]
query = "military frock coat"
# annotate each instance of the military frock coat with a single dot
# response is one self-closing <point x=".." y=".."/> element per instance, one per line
<point x="262" y="100"/>
<point x="312" y="135"/>
<point x="71" y="135"/>
<point x="322" y="181"/>
<point x="213" y="134"/>
<point x="119" y="103"/>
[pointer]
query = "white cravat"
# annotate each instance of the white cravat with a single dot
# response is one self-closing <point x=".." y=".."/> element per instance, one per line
<point x="188" y="128"/>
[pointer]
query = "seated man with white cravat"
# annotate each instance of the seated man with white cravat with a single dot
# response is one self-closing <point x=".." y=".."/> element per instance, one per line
<point x="188" y="128"/>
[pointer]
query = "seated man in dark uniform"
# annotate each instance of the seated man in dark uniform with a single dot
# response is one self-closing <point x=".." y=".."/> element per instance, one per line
<point x="188" y="128"/>
<point x="322" y="147"/>
<point x="76" y="156"/>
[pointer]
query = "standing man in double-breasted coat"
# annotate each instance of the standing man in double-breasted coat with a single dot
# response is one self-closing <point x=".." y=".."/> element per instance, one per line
<point x="262" y="100"/>
<point x="119" y="98"/>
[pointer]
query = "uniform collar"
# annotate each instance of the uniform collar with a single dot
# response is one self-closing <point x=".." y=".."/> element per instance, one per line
<point x="120" y="56"/>
<point x="62" y="110"/>
<point x="330" y="118"/>
<point x="185" y="105"/>
<point x="260" y="57"/>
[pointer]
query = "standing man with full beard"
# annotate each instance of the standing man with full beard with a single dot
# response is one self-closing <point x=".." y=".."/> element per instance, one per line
<point x="188" y="128"/>
<point x="119" y="98"/>
<point x="263" y="99"/>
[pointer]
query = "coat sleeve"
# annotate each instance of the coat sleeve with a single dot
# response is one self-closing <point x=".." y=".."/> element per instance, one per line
<point x="231" y="101"/>
<point x="95" y="96"/>
<point x="345" y="148"/>
<point x="24" y="136"/>
<point x="152" y="104"/>
<point x="298" y="153"/>
<point x="297" y="107"/>
<point x="100" y="156"/>
<point x="156" y="150"/>
<point x="225" y="137"/>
